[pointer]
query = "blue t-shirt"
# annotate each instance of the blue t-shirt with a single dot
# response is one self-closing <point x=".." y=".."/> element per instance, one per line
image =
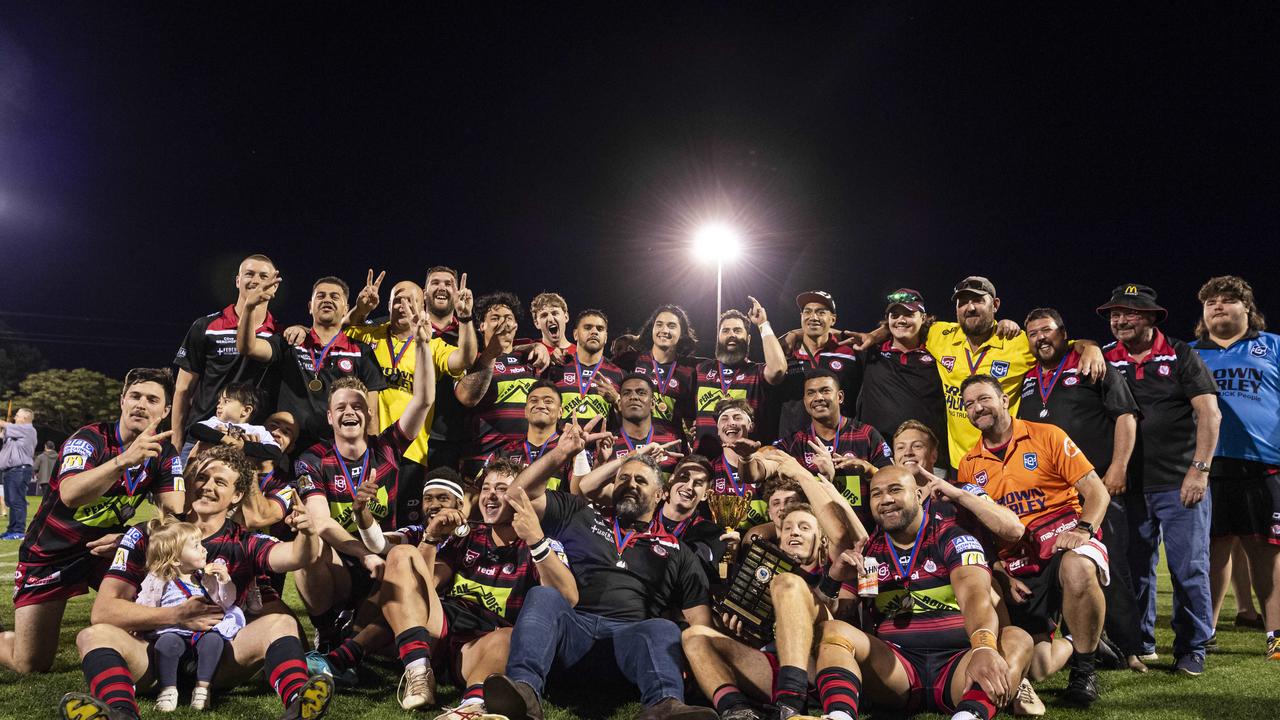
<point x="1248" y="378"/>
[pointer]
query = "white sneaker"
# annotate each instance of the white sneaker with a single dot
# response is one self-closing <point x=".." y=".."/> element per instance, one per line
<point x="1026" y="702"/>
<point x="965" y="715"/>
<point x="199" y="698"/>
<point x="417" y="688"/>
<point x="474" y="711"/>
<point x="167" y="700"/>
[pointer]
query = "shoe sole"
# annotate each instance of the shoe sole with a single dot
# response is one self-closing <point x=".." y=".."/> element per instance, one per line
<point x="1188" y="673"/>
<point x="315" y="696"/>
<point x="501" y="696"/>
<point x="78" y="706"/>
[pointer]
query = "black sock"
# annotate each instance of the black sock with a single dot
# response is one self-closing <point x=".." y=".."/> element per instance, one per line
<point x="414" y="644"/>
<point x="728" y="697"/>
<point x="286" y="668"/>
<point x="346" y="656"/>
<point x="793" y="688"/>
<point x="110" y="681"/>
<point x="1082" y="662"/>
<point x="839" y="689"/>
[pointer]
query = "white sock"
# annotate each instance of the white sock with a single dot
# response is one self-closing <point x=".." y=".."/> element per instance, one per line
<point x="965" y="715"/>
<point x="415" y="663"/>
<point x="477" y="701"/>
<point x="839" y="715"/>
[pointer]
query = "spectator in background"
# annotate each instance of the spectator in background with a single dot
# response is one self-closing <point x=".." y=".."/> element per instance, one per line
<point x="43" y="467"/>
<point x="16" y="456"/>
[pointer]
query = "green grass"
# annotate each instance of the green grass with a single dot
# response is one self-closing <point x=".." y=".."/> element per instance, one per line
<point x="1239" y="683"/>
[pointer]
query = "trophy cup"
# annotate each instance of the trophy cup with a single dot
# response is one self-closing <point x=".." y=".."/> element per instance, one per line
<point x="728" y="511"/>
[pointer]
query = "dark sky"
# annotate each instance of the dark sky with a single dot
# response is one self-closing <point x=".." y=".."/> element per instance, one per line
<point x="145" y="148"/>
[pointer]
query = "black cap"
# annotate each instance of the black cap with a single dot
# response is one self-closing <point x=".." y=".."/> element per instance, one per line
<point x="821" y="297"/>
<point x="974" y="284"/>
<point x="1132" y="296"/>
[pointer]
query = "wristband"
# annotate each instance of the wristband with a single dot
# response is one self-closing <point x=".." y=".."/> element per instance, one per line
<point x="540" y="550"/>
<point x="461" y="319"/>
<point x="373" y="539"/>
<point x="829" y="587"/>
<point x="766" y="330"/>
<point x="983" y="638"/>
<point x="581" y="463"/>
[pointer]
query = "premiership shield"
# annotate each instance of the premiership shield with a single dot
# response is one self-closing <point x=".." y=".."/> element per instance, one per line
<point x="748" y="594"/>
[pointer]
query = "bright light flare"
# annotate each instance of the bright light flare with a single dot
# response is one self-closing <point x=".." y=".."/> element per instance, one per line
<point x="716" y="242"/>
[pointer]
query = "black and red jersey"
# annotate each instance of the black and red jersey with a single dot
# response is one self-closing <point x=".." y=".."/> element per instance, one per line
<point x="209" y="350"/>
<point x="900" y="385"/>
<point x="322" y="472"/>
<point x="59" y="533"/>
<point x="931" y="620"/>
<point x="341" y="357"/>
<point x="246" y="554"/>
<point x="278" y="487"/>
<point x="852" y="438"/>
<point x="498" y="419"/>
<point x="573" y="379"/>
<point x="524" y="452"/>
<point x="787" y="398"/>
<point x="673" y="400"/>
<point x="496" y="577"/>
<point x="716" y="381"/>
<point x="624" y="444"/>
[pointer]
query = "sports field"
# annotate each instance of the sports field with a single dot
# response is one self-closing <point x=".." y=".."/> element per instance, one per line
<point x="1238" y="683"/>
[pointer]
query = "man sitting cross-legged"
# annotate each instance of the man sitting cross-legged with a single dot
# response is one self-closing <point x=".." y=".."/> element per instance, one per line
<point x="114" y="658"/>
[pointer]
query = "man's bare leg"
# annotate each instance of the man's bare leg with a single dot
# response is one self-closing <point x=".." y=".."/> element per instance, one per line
<point x="850" y="661"/>
<point x="33" y="643"/>
<point x="795" y="612"/>
<point x="728" y="672"/>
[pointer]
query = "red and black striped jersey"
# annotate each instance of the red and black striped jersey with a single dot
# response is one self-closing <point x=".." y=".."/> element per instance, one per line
<point x="787" y="398"/>
<point x="59" y="533"/>
<point x="209" y="350"/>
<point x="278" y="487"/>
<point x="715" y="382"/>
<point x="853" y="438"/>
<point x="524" y="452"/>
<point x="624" y="445"/>
<point x="573" y="380"/>
<point x="344" y="357"/>
<point x="322" y="472"/>
<point x="498" y="419"/>
<point x="932" y="619"/>
<point x="246" y="554"/>
<point x="673" y="403"/>
<point x="494" y="576"/>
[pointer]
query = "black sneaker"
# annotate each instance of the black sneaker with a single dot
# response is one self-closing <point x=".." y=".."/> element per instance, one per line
<point x="516" y="700"/>
<point x="79" y="706"/>
<point x="1211" y="645"/>
<point x="1082" y="689"/>
<point x="312" y="700"/>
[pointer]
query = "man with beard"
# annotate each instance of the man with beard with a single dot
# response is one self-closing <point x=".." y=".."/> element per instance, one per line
<point x="1168" y="482"/>
<point x="328" y="476"/>
<point x="814" y="346"/>
<point x="208" y="358"/>
<point x="857" y="449"/>
<point x="931" y="643"/>
<point x="1101" y="418"/>
<point x="732" y="673"/>
<point x="900" y="379"/>
<point x="630" y="576"/>
<point x="461" y="593"/>
<point x="551" y="317"/>
<point x="114" y="657"/>
<point x="1245" y="478"/>
<point x="451" y="314"/>
<point x="1036" y="471"/>
<point x="588" y="383"/>
<point x="731" y="375"/>
<point x="308" y="370"/>
<point x="105" y="472"/>
<point x="638" y="428"/>
<point x="665" y="355"/>
<point x="542" y="417"/>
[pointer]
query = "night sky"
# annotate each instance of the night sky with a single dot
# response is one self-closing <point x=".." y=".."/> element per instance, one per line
<point x="144" y="149"/>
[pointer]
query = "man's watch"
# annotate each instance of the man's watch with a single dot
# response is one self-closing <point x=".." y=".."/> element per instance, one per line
<point x="1082" y="525"/>
<point x="1200" y="465"/>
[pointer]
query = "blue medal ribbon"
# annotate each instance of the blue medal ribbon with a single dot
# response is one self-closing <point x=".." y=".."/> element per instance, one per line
<point x="346" y="472"/>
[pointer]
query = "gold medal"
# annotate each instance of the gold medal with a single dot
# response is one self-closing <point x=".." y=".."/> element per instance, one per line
<point x="314" y="385"/>
<point x="662" y="407"/>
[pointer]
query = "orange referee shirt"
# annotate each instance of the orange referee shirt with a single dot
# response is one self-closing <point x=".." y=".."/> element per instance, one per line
<point x="1038" y="474"/>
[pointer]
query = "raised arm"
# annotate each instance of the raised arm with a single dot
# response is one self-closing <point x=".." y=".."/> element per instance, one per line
<point x="552" y="570"/>
<point x="366" y="301"/>
<point x="247" y="341"/>
<point x="424" y="379"/>
<point x="86" y="487"/>
<point x="468" y="345"/>
<point x="471" y="389"/>
<point x="834" y="522"/>
<point x="183" y="393"/>
<point x="775" y="360"/>
<point x="303" y="550"/>
<point x="1000" y="520"/>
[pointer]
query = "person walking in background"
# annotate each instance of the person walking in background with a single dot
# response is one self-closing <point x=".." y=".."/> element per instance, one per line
<point x="43" y="467"/>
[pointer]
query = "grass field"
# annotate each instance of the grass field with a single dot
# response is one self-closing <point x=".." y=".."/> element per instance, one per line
<point x="1239" y="683"/>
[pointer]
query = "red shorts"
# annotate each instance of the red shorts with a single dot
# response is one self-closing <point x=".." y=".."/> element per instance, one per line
<point x="929" y="673"/>
<point x="34" y="584"/>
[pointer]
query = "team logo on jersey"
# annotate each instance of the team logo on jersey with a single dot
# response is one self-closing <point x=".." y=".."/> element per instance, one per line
<point x="659" y="551"/>
<point x="345" y="365"/>
<point x="673" y="384"/>
<point x="741" y="377"/>
<point x="340" y="483"/>
<point x="976" y="557"/>
<point x="836" y="364"/>
<point x="508" y="568"/>
<point x="1070" y="380"/>
<point x="948" y="362"/>
<point x="500" y="367"/>
<point x="471" y="557"/>
<point x="78" y="447"/>
<point x="980" y="477"/>
<point x="1163" y="370"/>
<point x="999" y="368"/>
<point x="712" y="374"/>
<point x="570" y="377"/>
<point x="930" y="566"/>
<point x="1030" y="461"/>
<point x="926" y="359"/>
<point x="1258" y="350"/>
<point x="1070" y="448"/>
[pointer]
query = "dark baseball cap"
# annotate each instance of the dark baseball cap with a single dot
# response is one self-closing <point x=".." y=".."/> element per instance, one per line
<point x="821" y="297"/>
<point x="1132" y="296"/>
<point x="974" y="284"/>
<point x="907" y="298"/>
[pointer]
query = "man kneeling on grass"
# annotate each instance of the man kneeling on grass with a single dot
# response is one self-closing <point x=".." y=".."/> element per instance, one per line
<point x="113" y="651"/>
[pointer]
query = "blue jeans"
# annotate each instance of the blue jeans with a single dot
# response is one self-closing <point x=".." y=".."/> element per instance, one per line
<point x="1186" y="547"/>
<point x="15" y="496"/>
<point x="647" y="651"/>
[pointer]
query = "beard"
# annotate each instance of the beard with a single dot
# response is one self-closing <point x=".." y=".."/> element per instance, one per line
<point x="904" y="519"/>
<point x="731" y="357"/>
<point x="631" y="508"/>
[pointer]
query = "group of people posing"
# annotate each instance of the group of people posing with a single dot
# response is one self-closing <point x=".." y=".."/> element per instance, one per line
<point x="952" y="510"/>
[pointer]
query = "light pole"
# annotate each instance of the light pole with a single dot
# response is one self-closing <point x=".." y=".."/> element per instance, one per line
<point x="718" y="242"/>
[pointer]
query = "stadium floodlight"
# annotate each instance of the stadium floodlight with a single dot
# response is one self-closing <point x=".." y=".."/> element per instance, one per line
<point x="717" y="242"/>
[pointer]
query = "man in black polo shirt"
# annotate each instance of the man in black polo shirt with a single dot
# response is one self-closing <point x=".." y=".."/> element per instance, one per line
<point x="208" y="359"/>
<point x="1102" y="419"/>
<point x="1168" y="496"/>
<point x="449" y="308"/>
<point x="900" y="379"/>
<point x="813" y="346"/>
<point x="325" y="354"/>
<point x="631" y="572"/>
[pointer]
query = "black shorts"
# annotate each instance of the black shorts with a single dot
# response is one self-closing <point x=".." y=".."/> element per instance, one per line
<point x="34" y="584"/>
<point x="1246" y="500"/>
<point x="463" y="622"/>
<point x="363" y="586"/>
<point x="1040" y="614"/>
<point x="929" y="673"/>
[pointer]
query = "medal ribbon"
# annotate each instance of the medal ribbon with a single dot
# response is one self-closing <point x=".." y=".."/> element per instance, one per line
<point x="528" y="448"/>
<point x="657" y="526"/>
<point x="584" y="379"/>
<point x="621" y="542"/>
<point x="974" y="364"/>
<point x="391" y="349"/>
<point x="186" y="591"/>
<point x="131" y="478"/>
<point x="724" y="386"/>
<point x="319" y="363"/>
<point x="627" y="439"/>
<point x="663" y="375"/>
<point x="266" y="478"/>
<point x="915" y="550"/>
<point x="346" y="472"/>
<point x="835" y="442"/>
<point x="1045" y="392"/>
<point x="738" y="489"/>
